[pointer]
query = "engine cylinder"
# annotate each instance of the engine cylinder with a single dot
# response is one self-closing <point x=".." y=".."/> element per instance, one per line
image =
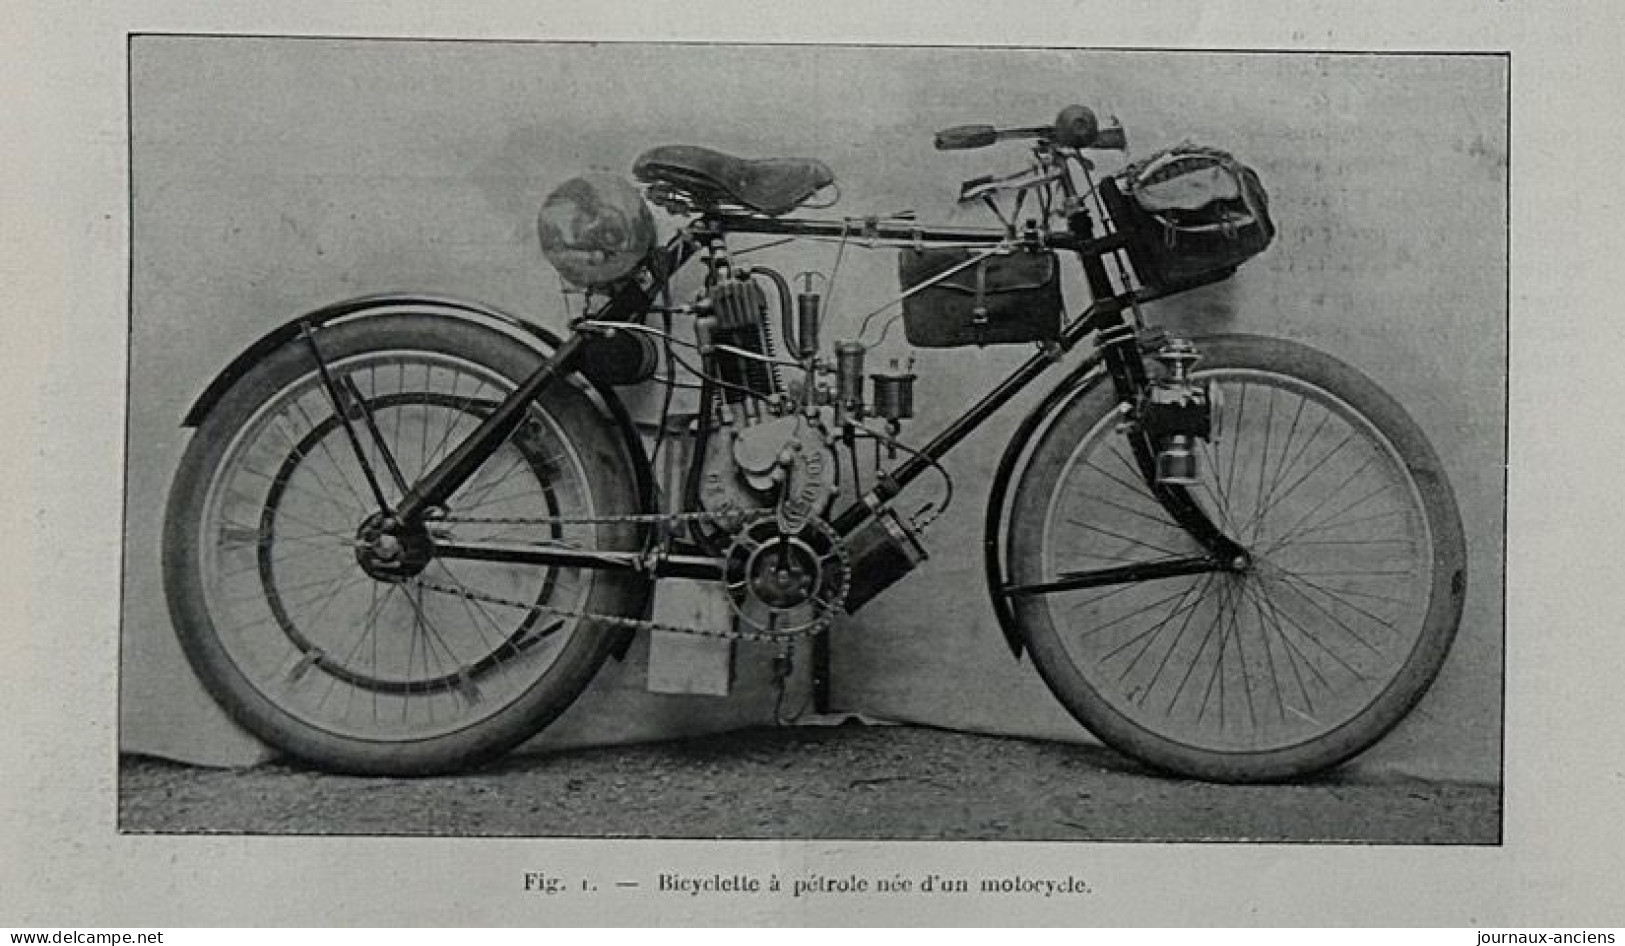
<point x="740" y="308"/>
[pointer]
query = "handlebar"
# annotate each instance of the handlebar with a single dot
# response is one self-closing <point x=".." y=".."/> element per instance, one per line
<point x="1075" y="127"/>
<point x="961" y="137"/>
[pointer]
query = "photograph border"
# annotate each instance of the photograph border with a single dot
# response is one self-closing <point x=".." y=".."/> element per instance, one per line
<point x="820" y="648"/>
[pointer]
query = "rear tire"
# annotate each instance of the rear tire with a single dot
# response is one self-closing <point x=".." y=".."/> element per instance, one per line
<point x="355" y="673"/>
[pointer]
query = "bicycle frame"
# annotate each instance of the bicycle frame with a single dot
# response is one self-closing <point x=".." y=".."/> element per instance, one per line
<point x="1111" y="318"/>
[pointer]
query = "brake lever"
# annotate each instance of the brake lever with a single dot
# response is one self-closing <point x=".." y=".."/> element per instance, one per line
<point x="988" y="185"/>
<point x="968" y="190"/>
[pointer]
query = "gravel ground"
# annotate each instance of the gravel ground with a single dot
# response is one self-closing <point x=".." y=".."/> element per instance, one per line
<point x="844" y="782"/>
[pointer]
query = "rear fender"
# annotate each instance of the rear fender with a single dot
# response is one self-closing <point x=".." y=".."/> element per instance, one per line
<point x="539" y="339"/>
<point x="362" y="307"/>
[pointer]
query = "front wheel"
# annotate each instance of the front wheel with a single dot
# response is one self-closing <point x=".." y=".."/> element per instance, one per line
<point x="364" y="656"/>
<point x="1306" y="656"/>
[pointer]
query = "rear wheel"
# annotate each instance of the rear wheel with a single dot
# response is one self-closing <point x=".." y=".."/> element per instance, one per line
<point x="1309" y="654"/>
<point x="273" y="567"/>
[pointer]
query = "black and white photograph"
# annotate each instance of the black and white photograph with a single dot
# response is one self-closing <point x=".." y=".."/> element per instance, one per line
<point x="1074" y="464"/>
<point x="814" y="442"/>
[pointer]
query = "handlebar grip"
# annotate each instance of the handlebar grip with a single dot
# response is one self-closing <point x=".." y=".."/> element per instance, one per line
<point x="965" y="136"/>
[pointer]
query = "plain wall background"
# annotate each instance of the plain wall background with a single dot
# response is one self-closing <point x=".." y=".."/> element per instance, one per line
<point x="271" y="176"/>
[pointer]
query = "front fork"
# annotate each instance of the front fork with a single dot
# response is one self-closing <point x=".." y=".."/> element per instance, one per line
<point x="1120" y="353"/>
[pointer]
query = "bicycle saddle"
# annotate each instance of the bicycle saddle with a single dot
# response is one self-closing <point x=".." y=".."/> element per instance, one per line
<point x="771" y="186"/>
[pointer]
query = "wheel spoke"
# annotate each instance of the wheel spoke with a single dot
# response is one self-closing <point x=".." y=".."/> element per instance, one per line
<point x="317" y="528"/>
<point x="285" y="486"/>
<point x="1091" y="527"/>
<point x="1335" y="523"/>
<point x="1291" y="465"/>
<point x="1295" y="655"/>
<point x="1241" y="655"/>
<point x="1090" y="632"/>
<point x="1210" y="461"/>
<point x="1286" y="448"/>
<point x="1133" y="487"/>
<point x="1335" y="492"/>
<point x="303" y="459"/>
<point x="1315" y="638"/>
<point x="1269" y="657"/>
<point x="259" y="593"/>
<point x="465" y="508"/>
<point x="1150" y="634"/>
<point x="1235" y="450"/>
<point x="458" y="416"/>
<point x="478" y="498"/>
<point x="1340" y="599"/>
<point x="1305" y="476"/>
<point x="368" y="629"/>
<point x="1257" y="521"/>
<point x="1113" y="591"/>
<point x="1161" y="520"/>
<point x="1207" y="635"/>
<point x="1227" y="625"/>
<point x="343" y="473"/>
<point x="431" y="634"/>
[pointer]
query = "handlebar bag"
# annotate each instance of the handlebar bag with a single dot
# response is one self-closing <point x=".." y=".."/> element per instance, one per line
<point x="1198" y="213"/>
<point x="1002" y="300"/>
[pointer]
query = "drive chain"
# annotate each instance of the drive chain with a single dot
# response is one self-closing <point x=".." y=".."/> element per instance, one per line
<point x="614" y="620"/>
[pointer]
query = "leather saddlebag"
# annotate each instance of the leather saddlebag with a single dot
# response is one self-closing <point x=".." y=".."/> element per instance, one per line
<point x="1001" y="300"/>
<point x="1197" y="214"/>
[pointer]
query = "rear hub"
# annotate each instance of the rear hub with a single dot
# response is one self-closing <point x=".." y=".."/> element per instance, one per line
<point x="389" y="550"/>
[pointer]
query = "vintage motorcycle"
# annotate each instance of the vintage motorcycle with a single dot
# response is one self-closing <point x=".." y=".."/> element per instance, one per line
<point x="408" y="531"/>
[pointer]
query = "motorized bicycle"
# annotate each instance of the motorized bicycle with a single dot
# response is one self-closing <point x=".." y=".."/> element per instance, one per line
<point x="408" y="530"/>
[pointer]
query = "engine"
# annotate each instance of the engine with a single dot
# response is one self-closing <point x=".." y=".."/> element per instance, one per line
<point x="784" y="463"/>
<point x="769" y="454"/>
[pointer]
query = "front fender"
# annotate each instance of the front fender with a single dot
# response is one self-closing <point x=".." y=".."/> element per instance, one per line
<point x="534" y="336"/>
<point x="1080" y="382"/>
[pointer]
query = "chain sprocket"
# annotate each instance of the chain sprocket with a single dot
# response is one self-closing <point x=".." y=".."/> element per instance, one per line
<point x="774" y="575"/>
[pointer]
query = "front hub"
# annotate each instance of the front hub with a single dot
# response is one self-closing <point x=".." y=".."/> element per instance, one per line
<point x="390" y="550"/>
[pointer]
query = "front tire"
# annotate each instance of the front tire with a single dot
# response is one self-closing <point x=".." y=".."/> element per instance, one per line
<point x="354" y="671"/>
<point x="1300" y="661"/>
